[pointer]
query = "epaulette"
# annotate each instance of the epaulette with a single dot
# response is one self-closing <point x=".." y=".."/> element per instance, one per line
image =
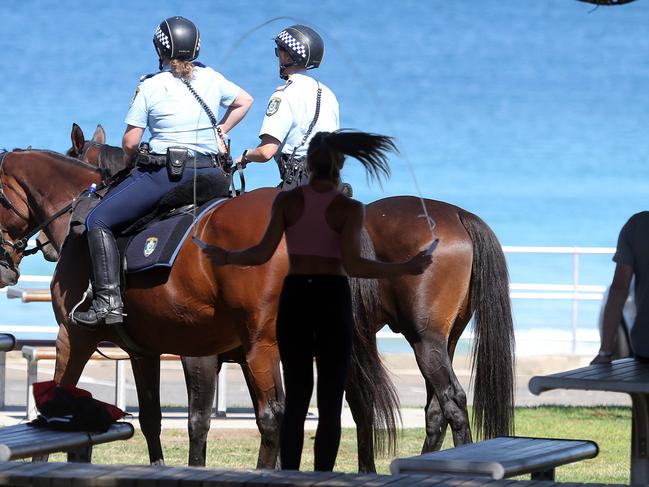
<point x="147" y="76"/>
<point x="284" y="86"/>
<point x="199" y="65"/>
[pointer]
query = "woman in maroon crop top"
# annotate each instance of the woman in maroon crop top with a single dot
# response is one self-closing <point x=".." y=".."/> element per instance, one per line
<point x="323" y="234"/>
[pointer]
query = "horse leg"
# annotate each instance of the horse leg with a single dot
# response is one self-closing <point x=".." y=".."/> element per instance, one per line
<point x="261" y="371"/>
<point x="363" y="417"/>
<point x="436" y="423"/>
<point x="444" y="395"/>
<point x="200" y="378"/>
<point x="72" y="354"/>
<point x="146" y="372"/>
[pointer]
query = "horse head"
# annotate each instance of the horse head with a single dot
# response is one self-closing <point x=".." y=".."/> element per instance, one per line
<point x="15" y="222"/>
<point x="109" y="159"/>
<point x="81" y="146"/>
<point x="85" y="150"/>
<point x="36" y="189"/>
<point x="94" y="151"/>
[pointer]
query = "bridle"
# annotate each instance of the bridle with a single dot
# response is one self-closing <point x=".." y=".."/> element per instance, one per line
<point x="87" y="145"/>
<point x="20" y="246"/>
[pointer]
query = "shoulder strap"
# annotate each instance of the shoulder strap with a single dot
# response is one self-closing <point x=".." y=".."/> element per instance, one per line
<point x="313" y="122"/>
<point x="203" y="105"/>
<point x="227" y="163"/>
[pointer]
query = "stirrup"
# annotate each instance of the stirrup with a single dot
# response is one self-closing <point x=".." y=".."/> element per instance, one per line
<point x="101" y="319"/>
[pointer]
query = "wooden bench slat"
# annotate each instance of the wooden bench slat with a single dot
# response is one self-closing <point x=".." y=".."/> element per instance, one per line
<point x="500" y="457"/>
<point x="72" y="475"/>
<point x="22" y="440"/>
<point x="221" y="478"/>
<point x="118" y="431"/>
<point x="75" y="474"/>
<point x="28" y="471"/>
<point x="196" y="479"/>
<point x="623" y="375"/>
<point x="123" y="475"/>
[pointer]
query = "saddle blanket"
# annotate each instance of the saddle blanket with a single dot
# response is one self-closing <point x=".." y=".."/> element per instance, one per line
<point x="158" y="244"/>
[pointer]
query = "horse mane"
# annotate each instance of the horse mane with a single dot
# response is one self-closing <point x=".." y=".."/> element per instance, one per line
<point x="111" y="159"/>
<point x="62" y="157"/>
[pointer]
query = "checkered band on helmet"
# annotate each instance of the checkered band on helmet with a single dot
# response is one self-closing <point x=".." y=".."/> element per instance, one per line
<point x="162" y="38"/>
<point x="292" y="44"/>
<point x="304" y="44"/>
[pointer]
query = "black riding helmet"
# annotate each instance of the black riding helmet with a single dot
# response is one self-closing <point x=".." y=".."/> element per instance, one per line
<point x="304" y="45"/>
<point x="177" y="38"/>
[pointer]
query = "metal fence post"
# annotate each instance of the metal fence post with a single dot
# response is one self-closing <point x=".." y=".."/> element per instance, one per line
<point x="3" y="378"/>
<point x="575" y="301"/>
<point x="220" y="396"/>
<point x="31" y="354"/>
<point x="120" y="386"/>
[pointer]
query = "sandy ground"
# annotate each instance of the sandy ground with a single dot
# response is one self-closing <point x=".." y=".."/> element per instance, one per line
<point x="99" y="377"/>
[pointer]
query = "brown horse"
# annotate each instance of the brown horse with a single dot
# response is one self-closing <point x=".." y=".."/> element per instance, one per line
<point x="432" y="310"/>
<point x="200" y="372"/>
<point x="201" y="313"/>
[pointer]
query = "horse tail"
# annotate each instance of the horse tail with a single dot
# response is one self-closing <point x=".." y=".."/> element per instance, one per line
<point x="493" y="344"/>
<point x="376" y="392"/>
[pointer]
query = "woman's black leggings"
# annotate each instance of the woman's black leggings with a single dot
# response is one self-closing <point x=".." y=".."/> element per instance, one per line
<point x="314" y="319"/>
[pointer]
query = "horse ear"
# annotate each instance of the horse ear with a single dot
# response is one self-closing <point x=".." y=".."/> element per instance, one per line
<point x="78" y="139"/>
<point x="100" y="135"/>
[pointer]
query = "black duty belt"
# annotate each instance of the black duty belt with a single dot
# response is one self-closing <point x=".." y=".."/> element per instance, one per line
<point x="160" y="160"/>
<point x="286" y="157"/>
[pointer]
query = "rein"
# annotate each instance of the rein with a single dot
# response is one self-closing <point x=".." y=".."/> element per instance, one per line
<point x="20" y="246"/>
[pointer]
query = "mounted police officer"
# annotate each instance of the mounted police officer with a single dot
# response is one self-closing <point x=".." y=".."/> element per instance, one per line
<point x="177" y="105"/>
<point x="297" y="110"/>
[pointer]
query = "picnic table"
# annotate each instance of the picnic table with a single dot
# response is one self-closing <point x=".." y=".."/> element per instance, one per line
<point x="626" y="375"/>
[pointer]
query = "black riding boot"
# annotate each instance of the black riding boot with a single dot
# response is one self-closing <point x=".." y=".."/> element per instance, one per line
<point x="107" y="307"/>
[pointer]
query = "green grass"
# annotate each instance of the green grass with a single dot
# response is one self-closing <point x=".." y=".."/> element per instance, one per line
<point x="610" y="427"/>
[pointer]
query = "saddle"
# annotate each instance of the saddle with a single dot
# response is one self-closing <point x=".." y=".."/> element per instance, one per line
<point x="154" y="240"/>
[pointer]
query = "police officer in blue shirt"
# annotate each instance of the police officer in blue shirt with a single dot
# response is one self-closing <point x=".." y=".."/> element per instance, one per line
<point x="177" y="105"/>
<point x="297" y="110"/>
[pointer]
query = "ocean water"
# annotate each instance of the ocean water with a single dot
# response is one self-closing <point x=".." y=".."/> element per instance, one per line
<point x="530" y="114"/>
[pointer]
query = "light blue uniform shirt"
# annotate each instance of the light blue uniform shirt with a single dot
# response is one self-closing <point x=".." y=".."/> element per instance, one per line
<point x="291" y="110"/>
<point x="164" y="105"/>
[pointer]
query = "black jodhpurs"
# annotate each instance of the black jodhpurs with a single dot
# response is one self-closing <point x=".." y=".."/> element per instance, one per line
<point x="314" y="319"/>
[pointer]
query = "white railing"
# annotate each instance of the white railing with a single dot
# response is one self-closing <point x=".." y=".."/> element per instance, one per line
<point x="574" y="291"/>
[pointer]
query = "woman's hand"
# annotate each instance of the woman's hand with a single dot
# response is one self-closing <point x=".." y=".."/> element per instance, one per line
<point x="419" y="263"/>
<point x="216" y="254"/>
<point x="240" y="161"/>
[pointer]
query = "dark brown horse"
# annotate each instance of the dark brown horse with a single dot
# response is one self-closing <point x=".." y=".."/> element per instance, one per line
<point x="204" y="312"/>
<point x="432" y="310"/>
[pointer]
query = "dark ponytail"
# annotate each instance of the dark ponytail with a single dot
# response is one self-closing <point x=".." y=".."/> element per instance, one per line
<point x="327" y="151"/>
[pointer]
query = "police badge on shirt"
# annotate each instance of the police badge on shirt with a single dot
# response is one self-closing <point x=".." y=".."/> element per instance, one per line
<point x="273" y="106"/>
<point x="137" y="92"/>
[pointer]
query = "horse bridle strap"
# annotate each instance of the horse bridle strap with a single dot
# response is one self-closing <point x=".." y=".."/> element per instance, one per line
<point x="4" y="199"/>
<point x="20" y="246"/>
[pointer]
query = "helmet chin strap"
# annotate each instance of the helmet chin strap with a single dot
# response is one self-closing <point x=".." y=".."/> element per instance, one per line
<point x="282" y="69"/>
